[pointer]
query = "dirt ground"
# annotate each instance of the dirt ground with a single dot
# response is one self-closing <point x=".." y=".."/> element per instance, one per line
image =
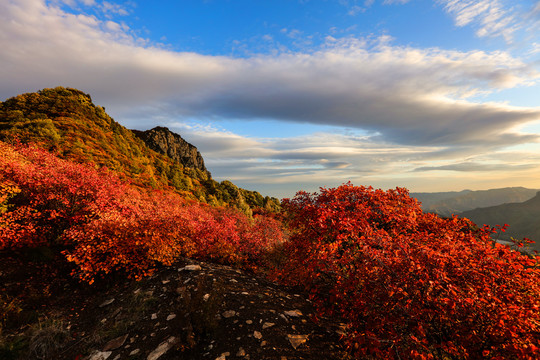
<point x="191" y="310"/>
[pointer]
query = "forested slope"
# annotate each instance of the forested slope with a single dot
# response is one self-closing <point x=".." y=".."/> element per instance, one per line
<point x="66" y="122"/>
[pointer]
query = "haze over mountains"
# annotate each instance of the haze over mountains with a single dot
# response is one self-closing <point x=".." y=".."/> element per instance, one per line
<point x="455" y="202"/>
<point x="523" y="219"/>
<point x="516" y="206"/>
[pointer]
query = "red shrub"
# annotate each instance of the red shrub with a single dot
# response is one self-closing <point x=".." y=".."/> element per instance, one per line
<point x="412" y="285"/>
<point x="44" y="195"/>
<point x="105" y="225"/>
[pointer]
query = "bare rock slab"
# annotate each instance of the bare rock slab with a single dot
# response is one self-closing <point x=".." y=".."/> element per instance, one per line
<point x="163" y="348"/>
<point x="191" y="268"/>
<point x="297" y="340"/>
<point x="100" y="355"/>
<point x="293" y="313"/>
<point x="115" y="343"/>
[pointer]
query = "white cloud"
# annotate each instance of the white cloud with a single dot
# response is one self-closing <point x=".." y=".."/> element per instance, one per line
<point x="390" y="2"/>
<point x="114" y="8"/>
<point x="535" y="48"/>
<point x="415" y="103"/>
<point x="355" y="10"/>
<point x="413" y="96"/>
<point x="489" y="17"/>
<point x="536" y="8"/>
<point x="282" y="166"/>
<point x="479" y="167"/>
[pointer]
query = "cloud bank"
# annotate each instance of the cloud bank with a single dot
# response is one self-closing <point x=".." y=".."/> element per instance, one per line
<point x="420" y="100"/>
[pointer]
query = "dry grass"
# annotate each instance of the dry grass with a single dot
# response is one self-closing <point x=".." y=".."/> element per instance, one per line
<point x="47" y="338"/>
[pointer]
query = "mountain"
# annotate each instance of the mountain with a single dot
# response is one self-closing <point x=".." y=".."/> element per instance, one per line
<point x="448" y="203"/>
<point x="164" y="141"/>
<point x="523" y="219"/>
<point x="66" y="122"/>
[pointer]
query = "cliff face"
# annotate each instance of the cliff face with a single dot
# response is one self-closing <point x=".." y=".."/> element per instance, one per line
<point x="164" y="141"/>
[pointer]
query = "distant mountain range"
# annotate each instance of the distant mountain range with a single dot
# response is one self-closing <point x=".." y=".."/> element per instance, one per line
<point x="523" y="219"/>
<point x="456" y="202"/>
<point x="516" y="206"/>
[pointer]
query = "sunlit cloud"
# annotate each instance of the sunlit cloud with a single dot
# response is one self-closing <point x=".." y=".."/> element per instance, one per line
<point x="330" y="159"/>
<point x="474" y="166"/>
<point x="490" y="18"/>
<point x="417" y="106"/>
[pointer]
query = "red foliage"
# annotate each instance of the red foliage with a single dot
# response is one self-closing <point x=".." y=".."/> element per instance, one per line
<point x="44" y="196"/>
<point x="105" y="225"/>
<point x="412" y="285"/>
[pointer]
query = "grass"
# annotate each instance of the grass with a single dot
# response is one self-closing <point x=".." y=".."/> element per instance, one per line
<point x="47" y="338"/>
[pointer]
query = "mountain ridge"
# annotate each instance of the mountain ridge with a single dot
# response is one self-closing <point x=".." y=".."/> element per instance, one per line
<point x="522" y="219"/>
<point x="162" y="140"/>
<point x="456" y="202"/>
<point x="66" y="121"/>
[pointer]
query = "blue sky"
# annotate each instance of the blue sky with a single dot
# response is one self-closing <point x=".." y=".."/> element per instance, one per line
<point x="284" y="95"/>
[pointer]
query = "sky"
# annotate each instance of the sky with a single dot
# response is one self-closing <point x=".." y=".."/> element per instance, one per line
<point x="288" y="95"/>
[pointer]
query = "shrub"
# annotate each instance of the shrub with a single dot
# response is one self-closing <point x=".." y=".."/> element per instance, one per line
<point x="43" y="196"/>
<point x="411" y="285"/>
<point x="105" y="225"/>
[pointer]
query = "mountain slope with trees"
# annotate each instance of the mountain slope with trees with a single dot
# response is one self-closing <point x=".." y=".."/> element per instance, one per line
<point x="398" y="282"/>
<point x="65" y="121"/>
<point x="523" y="219"/>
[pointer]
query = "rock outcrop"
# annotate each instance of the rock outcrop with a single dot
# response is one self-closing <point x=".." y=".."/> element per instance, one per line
<point x="164" y="141"/>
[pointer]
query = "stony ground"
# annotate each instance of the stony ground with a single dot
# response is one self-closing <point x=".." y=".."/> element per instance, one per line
<point x="192" y="310"/>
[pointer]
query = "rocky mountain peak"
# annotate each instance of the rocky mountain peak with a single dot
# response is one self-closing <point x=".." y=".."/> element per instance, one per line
<point x="164" y="141"/>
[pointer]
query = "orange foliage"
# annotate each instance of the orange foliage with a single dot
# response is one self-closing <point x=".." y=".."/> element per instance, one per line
<point x="412" y="285"/>
<point x="105" y="225"/>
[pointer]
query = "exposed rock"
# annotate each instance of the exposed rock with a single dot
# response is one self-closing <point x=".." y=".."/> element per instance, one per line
<point x="164" y="141"/>
<point x="223" y="356"/>
<point x="235" y="316"/>
<point x="293" y="313"/>
<point x="106" y="302"/>
<point x="134" y="352"/>
<point x="115" y="343"/>
<point x="297" y="340"/>
<point x="100" y="355"/>
<point x="163" y="348"/>
<point x="191" y="268"/>
<point x="228" y="314"/>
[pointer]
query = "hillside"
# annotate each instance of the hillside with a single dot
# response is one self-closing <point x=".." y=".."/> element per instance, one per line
<point x="99" y="261"/>
<point x="448" y="203"/>
<point x="65" y="121"/>
<point x="127" y="319"/>
<point x="522" y="218"/>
